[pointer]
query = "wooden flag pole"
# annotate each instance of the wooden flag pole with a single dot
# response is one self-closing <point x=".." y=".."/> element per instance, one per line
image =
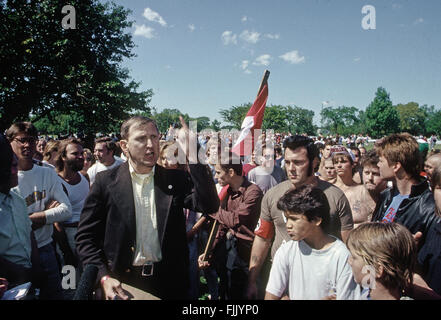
<point x="211" y="239"/>
<point x="264" y="81"/>
<point x="215" y="227"/>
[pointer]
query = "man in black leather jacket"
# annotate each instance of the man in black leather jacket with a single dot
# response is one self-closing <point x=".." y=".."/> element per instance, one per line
<point x="410" y="201"/>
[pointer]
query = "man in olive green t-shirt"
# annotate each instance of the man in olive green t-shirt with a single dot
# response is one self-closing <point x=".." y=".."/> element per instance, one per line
<point x="300" y="153"/>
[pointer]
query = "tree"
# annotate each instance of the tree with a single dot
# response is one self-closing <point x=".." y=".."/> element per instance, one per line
<point x="215" y="125"/>
<point x="47" y="71"/>
<point x="300" y="120"/>
<point x="341" y="120"/>
<point x="235" y="115"/>
<point x="278" y="118"/>
<point x="168" y="117"/>
<point x="433" y="123"/>
<point x="412" y="118"/>
<point x="381" y="117"/>
<point x="275" y="118"/>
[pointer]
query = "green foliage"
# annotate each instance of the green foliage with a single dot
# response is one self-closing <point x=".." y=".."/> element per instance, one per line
<point x="433" y="123"/>
<point x="235" y="115"/>
<point x="381" y="117"/>
<point x="412" y="118"/>
<point x="341" y="120"/>
<point x="50" y="73"/>
<point x="215" y="125"/>
<point x="168" y="117"/>
<point x="278" y="118"/>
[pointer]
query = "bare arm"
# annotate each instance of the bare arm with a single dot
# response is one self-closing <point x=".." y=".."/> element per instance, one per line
<point x="269" y="296"/>
<point x="259" y="251"/>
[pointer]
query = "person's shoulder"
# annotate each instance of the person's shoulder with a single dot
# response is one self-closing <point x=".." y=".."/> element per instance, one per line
<point x="252" y="187"/>
<point x="339" y="249"/>
<point x="278" y="190"/>
<point x="329" y="189"/>
<point x="287" y="246"/>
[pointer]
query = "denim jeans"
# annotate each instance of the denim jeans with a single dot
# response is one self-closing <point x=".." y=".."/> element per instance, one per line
<point x="51" y="290"/>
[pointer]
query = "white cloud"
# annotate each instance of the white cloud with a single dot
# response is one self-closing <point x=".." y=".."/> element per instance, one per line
<point x="244" y="64"/>
<point x="357" y="59"/>
<point x="153" y="16"/>
<point x="143" y="31"/>
<point x="250" y="37"/>
<point x="229" y="37"/>
<point x="293" y="57"/>
<point x="247" y="71"/>
<point x="244" y="19"/>
<point x="418" y="21"/>
<point x="263" y="60"/>
<point x="396" y="6"/>
<point x="191" y="27"/>
<point x="272" y="36"/>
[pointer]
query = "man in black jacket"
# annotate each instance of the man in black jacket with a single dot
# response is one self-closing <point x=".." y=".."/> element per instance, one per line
<point x="410" y="201"/>
<point x="132" y="225"/>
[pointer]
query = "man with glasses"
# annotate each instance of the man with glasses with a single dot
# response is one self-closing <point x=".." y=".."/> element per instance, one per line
<point x="46" y="202"/>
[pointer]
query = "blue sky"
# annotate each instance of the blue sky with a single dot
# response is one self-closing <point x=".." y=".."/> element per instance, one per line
<point x="200" y="56"/>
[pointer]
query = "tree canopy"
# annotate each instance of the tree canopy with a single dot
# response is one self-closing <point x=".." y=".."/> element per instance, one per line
<point x="49" y="73"/>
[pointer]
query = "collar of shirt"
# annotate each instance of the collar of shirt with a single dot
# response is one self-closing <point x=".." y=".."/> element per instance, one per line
<point x="4" y="197"/>
<point x="241" y="190"/>
<point x="141" y="177"/>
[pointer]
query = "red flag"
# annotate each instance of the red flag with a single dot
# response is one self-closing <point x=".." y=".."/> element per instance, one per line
<point x="245" y="143"/>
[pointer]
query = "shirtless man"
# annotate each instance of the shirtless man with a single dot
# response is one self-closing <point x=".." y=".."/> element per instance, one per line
<point x="344" y="162"/>
<point x="372" y="182"/>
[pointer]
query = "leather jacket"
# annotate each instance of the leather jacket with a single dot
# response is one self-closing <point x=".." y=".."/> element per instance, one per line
<point x="417" y="213"/>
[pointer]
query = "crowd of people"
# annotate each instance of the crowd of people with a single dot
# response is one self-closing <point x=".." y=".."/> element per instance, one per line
<point x="299" y="218"/>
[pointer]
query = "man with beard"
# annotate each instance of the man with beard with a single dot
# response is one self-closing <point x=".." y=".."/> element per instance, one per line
<point x="69" y="161"/>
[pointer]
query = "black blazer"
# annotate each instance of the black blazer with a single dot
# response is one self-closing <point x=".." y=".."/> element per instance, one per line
<point x="107" y="228"/>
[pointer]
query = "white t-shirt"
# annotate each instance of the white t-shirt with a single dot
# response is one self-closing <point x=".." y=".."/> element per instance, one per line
<point x="309" y="274"/>
<point x="98" y="167"/>
<point x="77" y="194"/>
<point x="38" y="187"/>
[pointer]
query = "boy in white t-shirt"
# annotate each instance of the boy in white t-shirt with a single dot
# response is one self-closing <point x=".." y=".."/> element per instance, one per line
<point x="314" y="265"/>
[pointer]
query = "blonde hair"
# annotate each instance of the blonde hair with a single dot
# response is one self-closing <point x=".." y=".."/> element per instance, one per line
<point x="51" y="146"/>
<point x="389" y="245"/>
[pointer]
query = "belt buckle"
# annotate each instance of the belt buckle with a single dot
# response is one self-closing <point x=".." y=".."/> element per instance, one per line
<point x="147" y="269"/>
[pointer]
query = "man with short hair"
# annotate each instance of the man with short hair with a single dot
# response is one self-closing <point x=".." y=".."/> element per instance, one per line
<point x="300" y="153"/>
<point x="18" y="248"/>
<point x="104" y="153"/>
<point x="45" y="199"/>
<point x="238" y="215"/>
<point x="410" y="201"/>
<point x="432" y="162"/>
<point x="357" y="170"/>
<point x="267" y="174"/>
<point x="132" y="227"/>
<point x="373" y="185"/>
<point x="343" y="160"/>
<point x="312" y="264"/>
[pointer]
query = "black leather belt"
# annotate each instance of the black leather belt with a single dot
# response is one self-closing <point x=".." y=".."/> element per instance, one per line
<point x="145" y="270"/>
